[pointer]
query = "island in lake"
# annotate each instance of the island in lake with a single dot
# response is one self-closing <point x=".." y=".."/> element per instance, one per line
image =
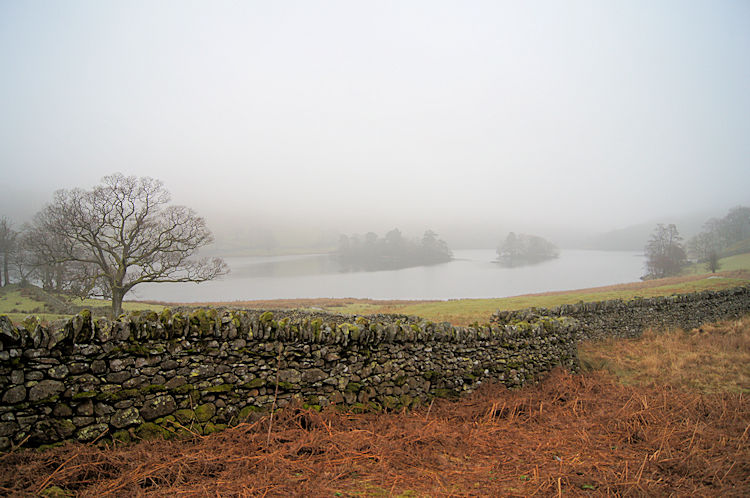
<point x="523" y="249"/>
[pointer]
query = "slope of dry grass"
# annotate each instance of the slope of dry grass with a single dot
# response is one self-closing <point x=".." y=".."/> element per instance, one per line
<point x="572" y="434"/>
<point x="678" y="425"/>
<point x="710" y="359"/>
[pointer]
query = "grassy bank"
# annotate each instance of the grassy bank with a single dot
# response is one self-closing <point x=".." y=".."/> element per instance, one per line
<point x="466" y="311"/>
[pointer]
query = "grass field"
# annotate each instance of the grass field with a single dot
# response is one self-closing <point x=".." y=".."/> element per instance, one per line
<point x="18" y="302"/>
<point x="730" y="263"/>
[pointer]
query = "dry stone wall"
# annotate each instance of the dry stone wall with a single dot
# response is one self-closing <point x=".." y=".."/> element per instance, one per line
<point x="618" y="318"/>
<point x="180" y="372"/>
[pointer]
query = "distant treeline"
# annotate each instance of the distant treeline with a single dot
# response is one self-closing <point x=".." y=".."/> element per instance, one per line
<point x="394" y="251"/>
<point x="523" y="249"/>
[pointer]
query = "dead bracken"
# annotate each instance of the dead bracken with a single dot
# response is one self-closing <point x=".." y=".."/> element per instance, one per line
<point x="573" y="434"/>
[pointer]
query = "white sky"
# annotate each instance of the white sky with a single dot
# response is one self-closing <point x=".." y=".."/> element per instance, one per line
<point x="568" y="113"/>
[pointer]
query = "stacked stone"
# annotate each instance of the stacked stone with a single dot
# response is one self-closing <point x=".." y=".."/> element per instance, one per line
<point x="627" y="319"/>
<point x="181" y="373"/>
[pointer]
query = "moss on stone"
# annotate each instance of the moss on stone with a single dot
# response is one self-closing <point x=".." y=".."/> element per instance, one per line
<point x="205" y="412"/>
<point x="153" y="388"/>
<point x="122" y="435"/>
<point x="117" y="395"/>
<point x="183" y="389"/>
<point x="221" y="388"/>
<point x="254" y="383"/>
<point x="85" y="395"/>
<point x="446" y="393"/>
<point x="248" y="410"/>
<point x="353" y="387"/>
<point x="184" y="416"/>
<point x="430" y="375"/>
<point x="150" y="430"/>
<point x="266" y="318"/>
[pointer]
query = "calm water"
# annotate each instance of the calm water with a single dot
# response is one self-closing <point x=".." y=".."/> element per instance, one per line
<point x="472" y="274"/>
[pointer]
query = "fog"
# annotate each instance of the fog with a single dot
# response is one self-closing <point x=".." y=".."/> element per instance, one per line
<point x="311" y="119"/>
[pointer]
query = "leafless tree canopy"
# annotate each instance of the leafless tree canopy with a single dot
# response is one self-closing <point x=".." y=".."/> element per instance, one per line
<point x="120" y="234"/>
<point x="665" y="255"/>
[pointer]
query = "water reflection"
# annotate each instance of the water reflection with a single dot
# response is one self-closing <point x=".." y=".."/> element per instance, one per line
<point x="471" y="274"/>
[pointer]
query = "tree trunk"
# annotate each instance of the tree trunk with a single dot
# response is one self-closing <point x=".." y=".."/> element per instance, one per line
<point x="5" y="269"/>
<point x="117" y="296"/>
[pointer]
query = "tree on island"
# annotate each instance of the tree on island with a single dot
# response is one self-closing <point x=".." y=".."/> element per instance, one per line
<point x="665" y="255"/>
<point x="392" y="252"/>
<point x="120" y="234"/>
<point x="523" y="249"/>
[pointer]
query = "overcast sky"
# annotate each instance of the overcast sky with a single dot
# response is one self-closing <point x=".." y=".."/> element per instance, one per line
<point x="602" y="113"/>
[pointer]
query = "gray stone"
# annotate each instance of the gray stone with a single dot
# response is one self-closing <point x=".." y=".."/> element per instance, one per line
<point x="8" y="428"/>
<point x="86" y="408"/>
<point x="117" y="364"/>
<point x="58" y="372"/>
<point x="98" y="367"/>
<point x="100" y="409"/>
<point x="290" y="375"/>
<point x="125" y="418"/>
<point x="314" y="375"/>
<point x="91" y="432"/>
<point x="83" y="421"/>
<point x="14" y="395"/>
<point x="45" y="389"/>
<point x="118" y="377"/>
<point x="17" y="377"/>
<point x="64" y="428"/>
<point x="34" y="375"/>
<point x="62" y="410"/>
<point x="176" y="381"/>
<point x="158" y="407"/>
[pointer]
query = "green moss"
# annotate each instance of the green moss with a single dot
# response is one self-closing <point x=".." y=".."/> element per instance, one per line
<point x="183" y="389"/>
<point x="184" y="416"/>
<point x="205" y="412"/>
<point x="446" y="393"/>
<point x="85" y="395"/>
<point x="153" y="388"/>
<point x="353" y="387"/>
<point x="137" y="350"/>
<point x="248" y="410"/>
<point x="221" y="388"/>
<point x="122" y="435"/>
<point x="254" y="384"/>
<point x="150" y="430"/>
<point x="390" y="402"/>
<point x="56" y="491"/>
<point x="430" y="375"/>
<point x="308" y="406"/>
<point x="117" y="395"/>
<point x="266" y="318"/>
<point x="400" y="380"/>
<point x="406" y="400"/>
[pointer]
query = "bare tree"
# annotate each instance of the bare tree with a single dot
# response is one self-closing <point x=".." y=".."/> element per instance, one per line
<point x="120" y="234"/>
<point x="7" y="246"/>
<point x="665" y="255"/>
<point x="705" y="247"/>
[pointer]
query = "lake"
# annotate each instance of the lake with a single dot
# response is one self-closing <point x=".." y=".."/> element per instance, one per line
<point x="472" y="274"/>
